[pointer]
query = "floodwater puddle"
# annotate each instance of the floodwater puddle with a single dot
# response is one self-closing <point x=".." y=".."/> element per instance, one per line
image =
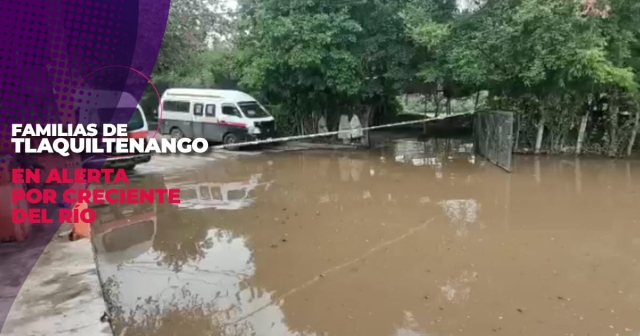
<point x="416" y="238"/>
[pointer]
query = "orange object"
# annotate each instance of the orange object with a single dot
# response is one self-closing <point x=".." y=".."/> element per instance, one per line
<point x="138" y="134"/>
<point x="53" y="161"/>
<point x="8" y="230"/>
<point x="80" y="229"/>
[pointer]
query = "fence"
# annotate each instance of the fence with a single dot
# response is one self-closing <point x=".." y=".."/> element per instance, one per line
<point x="493" y="137"/>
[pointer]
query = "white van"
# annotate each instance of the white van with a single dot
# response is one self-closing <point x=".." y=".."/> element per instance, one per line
<point x="225" y="116"/>
<point x="99" y="107"/>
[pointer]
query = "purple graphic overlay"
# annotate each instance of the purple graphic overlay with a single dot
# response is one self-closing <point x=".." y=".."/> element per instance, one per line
<point x="59" y="59"/>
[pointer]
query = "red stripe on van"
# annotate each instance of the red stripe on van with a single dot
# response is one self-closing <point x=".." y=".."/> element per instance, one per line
<point x="226" y="123"/>
<point x="138" y="134"/>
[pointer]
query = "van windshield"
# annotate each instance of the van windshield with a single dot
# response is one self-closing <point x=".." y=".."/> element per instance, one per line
<point x="136" y="122"/>
<point x="253" y="110"/>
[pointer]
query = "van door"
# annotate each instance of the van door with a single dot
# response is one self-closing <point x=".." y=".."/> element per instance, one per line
<point x="198" y="120"/>
<point x="213" y="130"/>
<point x="232" y="120"/>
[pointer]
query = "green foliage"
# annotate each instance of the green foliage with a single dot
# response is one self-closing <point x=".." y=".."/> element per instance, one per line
<point x="203" y="69"/>
<point x="318" y="57"/>
<point x="191" y="24"/>
<point x="285" y="121"/>
<point x="550" y="59"/>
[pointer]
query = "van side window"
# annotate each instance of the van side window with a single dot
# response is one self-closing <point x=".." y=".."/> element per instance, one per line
<point x="236" y="195"/>
<point x="230" y="111"/>
<point x="176" y="106"/>
<point x="216" y="193"/>
<point x="205" y="193"/>
<point x="210" y="110"/>
<point x="197" y="110"/>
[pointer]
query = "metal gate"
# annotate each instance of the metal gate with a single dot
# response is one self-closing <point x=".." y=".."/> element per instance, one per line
<point x="493" y="137"/>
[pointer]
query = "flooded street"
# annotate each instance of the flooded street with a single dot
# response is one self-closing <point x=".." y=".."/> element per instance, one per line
<point x="409" y="239"/>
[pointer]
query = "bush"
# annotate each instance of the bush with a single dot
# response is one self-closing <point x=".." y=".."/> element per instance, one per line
<point x="285" y="122"/>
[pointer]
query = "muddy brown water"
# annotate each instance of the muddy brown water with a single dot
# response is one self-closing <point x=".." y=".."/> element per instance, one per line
<point x="410" y="239"/>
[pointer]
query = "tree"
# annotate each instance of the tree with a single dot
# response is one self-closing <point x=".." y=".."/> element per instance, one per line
<point x="191" y="25"/>
<point x="568" y="68"/>
<point x="385" y="52"/>
<point x="315" y="57"/>
<point x="542" y="55"/>
<point x="297" y="53"/>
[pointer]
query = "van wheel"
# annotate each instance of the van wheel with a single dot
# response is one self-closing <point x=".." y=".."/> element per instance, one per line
<point x="230" y="139"/>
<point x="176" y="133"/>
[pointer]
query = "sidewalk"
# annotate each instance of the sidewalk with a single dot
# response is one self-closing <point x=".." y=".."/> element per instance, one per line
<point x="62" y="293"/>
<point x="17" y="260"/>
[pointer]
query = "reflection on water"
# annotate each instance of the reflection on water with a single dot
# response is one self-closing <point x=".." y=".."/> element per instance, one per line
<point x="221" y="196"/>
<point x="433" y="152"/>
<point x="212" y="294"/>
<point x="458" y="290"/>
<point x="461" y="213"/>
<point x="123" y="230"/>
<point x="366" y="244"/>
<point x="410" y="326"/>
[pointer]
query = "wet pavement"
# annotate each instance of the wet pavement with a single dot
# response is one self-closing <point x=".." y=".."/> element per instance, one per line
<point x="61" y="294"/>
<point x="416" y="238"/>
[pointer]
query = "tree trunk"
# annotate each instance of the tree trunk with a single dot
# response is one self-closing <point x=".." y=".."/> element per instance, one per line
<point x="582" y="131"/>
<point x="424" y="125"/>
<point x="517" y="135"/>
<point x="613" y="129"/>
<point x="448" y="105"/>
<point x="366" y="121"/>
<point x="447" y="149"/>
<point x="536" y="170"/>
<point x="326" y="119"/>
<point x="475" y="107"/>
<point x="634" y="132"/>
<point x="578" y="176"/>
<point x="540" y="135"/>
<point x="314" y="123"/>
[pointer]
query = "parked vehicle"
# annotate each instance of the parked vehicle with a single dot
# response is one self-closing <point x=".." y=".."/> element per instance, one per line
<point x="223" y="116"/>
<point x="111" y="107"/>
